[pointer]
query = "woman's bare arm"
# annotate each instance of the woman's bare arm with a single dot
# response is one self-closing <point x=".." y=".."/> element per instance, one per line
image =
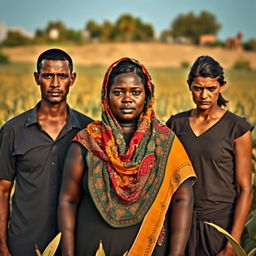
<point x="70" y="197"/>
<point x="181" y="218"/>
<point x="243" y="175"/>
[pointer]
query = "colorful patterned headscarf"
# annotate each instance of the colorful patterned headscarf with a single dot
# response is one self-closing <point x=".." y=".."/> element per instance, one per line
<point x="123" y="183"/>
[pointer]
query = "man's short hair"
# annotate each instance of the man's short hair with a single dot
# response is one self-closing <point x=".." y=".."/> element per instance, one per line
<point x="54" y="54"/>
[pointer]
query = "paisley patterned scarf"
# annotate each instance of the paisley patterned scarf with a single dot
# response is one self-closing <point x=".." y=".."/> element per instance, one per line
<point x="124" y="183"/>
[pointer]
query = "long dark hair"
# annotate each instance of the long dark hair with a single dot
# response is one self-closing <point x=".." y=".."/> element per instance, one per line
<point x="206" y="66"/>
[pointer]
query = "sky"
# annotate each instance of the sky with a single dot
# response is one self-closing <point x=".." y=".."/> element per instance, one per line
<point x="233" y="15"/>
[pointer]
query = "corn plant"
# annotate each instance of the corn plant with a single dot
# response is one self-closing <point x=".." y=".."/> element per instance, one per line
<point x="236" y="246"/>
<point x="100" y="251"/>
<point x="51" y="247"/>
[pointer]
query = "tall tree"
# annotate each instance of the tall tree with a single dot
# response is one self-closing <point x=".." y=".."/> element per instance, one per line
<point x="58" y="32"/>
<point x="144" y="31"/>
<point x="125" y="28"/>
<point x="94" y="29"/>
<point x="55" y="25"/>
<point x="15" y="38"/>
<point x="129" y="28"/>
<point x="207" y="23"/>
<point x="106" y="31"/>
<point x="191" y="26"/>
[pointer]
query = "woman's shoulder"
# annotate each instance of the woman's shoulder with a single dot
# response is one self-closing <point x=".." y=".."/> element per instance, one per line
<point x="238" y="123"/>
<point x="183" y="114"/>
<point x="179" y="117"/>
<point x="233" y="117"/>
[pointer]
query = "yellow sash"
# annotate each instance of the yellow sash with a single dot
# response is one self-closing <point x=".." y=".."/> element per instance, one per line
<point x="178" y="169"/>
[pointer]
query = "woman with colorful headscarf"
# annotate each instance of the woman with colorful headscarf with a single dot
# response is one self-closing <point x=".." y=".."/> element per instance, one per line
<point x="127" y="180"/>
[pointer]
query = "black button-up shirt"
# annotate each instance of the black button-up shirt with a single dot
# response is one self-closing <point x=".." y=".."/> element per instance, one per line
<point x="35" y="161"/>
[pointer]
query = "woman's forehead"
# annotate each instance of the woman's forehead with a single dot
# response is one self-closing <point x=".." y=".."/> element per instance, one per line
<point x="129" y="77"/>
<point x="200" y="80"/>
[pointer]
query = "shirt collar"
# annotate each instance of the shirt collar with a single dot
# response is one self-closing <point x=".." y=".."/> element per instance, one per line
<point x="72" y="121"/>
<point x="32" y="116"/>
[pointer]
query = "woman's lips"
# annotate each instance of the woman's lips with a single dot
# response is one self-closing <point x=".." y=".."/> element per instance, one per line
<point x="203" y="102"/>
<point x="127" y="110"/>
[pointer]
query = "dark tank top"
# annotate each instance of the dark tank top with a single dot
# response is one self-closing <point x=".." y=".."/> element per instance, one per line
<point x="212" y="156"/>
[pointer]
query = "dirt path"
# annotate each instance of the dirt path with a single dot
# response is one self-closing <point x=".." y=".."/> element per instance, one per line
<point x="151" y="54"/>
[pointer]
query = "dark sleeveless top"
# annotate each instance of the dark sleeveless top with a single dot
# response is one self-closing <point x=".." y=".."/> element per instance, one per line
<point x="212" y="156"/>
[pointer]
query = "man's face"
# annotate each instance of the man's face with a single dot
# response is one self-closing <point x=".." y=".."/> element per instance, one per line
<point x="54" y="79"/>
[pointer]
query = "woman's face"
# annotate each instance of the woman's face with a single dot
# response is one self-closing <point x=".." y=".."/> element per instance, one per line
<point x="205" y="92"/>
<point x="127" y="97"/>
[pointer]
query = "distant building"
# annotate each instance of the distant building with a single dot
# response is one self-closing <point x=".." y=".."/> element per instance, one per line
<point x="207" y="39"/>
<point x="86" y="35"/>
<point x="182" y="40"/>
<point x="54" y="34"/>
<point x="3" y="32"/>
<point x="166" y="36"/>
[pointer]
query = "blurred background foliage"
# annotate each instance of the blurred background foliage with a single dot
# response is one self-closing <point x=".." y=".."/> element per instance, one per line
<point x="185" y="28"/>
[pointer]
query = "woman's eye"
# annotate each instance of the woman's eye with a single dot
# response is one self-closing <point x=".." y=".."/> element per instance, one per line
<point x="212" y="89"/>
<point x="117" y="93"/>
<point x="136" y="93"/>
<point x="196" y="88"/>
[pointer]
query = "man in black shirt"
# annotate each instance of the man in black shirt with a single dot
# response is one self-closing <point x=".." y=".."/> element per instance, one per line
<point x="32" y="152"/>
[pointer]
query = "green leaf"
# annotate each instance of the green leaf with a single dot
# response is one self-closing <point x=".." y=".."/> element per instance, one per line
<point x="249" y="237"/>
<point x="100" y="251"/>
<point x="38" y="253"/>
<point x="251" y="225"/>
<point x="52" y="246"/>
<point x="252" y="252"/>
<point x="236" y="246"/>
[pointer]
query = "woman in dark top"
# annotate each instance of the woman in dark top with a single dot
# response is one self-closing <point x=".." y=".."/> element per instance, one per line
<point x="122" y="173"/>
<point x="219" y="145"/>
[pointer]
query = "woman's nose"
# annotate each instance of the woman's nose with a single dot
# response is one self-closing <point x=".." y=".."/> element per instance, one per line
<point x="127" y="97"/>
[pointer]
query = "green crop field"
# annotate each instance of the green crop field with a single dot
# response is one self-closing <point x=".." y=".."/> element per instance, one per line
<point x="19" y="92"/>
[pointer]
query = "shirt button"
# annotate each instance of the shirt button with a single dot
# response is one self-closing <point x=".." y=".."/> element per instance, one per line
<point x="52" y="163"/>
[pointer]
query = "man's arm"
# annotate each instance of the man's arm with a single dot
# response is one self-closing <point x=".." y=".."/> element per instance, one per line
<point x="5" y="192"/>
<point x="181" y="218"/>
